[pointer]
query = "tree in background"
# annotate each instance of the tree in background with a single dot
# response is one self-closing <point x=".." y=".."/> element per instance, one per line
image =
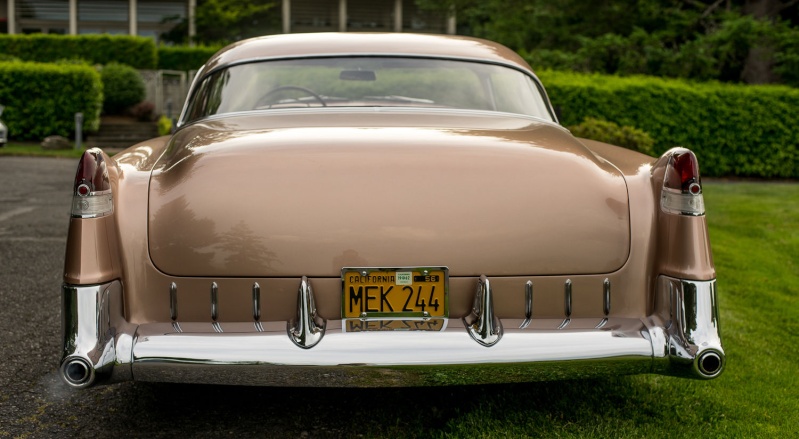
<point x="225" y="21"/>
<point x="761" y="60"/>
<point x="753" y="41"/>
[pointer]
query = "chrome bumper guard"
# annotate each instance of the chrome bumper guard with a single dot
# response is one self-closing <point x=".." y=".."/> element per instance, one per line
<point x="680" y="338"/>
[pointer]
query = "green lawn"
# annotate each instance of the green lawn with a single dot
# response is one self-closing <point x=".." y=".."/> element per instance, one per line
<point x="34" y="149"/>
<point x="754" y="229"/>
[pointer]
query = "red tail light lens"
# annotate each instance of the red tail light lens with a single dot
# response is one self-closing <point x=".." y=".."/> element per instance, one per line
<point x="682" y="186"/>
<point x="91" y="196"/>
<point x="684" y="173"/>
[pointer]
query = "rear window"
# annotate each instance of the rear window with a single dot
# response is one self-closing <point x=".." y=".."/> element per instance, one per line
<point x="366" y="82"/>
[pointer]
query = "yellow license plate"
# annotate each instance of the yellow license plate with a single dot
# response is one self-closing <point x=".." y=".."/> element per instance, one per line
<point x="394" y="292"/>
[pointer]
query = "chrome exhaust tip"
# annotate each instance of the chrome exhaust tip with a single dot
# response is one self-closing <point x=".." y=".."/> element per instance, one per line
<point x="77" y="372"/>
<point x="709" y="364"/>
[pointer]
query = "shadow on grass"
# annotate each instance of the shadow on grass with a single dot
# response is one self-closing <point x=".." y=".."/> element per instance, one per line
<point x="490" y="410"/>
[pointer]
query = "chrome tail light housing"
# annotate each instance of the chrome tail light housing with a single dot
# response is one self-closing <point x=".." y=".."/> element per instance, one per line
<point x="682" y="185"/>
<point x="91" y="194"/>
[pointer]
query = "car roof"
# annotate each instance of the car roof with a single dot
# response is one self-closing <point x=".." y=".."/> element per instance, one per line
<point x="352" y="43"/>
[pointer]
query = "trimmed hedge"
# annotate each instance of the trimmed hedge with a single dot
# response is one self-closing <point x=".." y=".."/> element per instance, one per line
<point x="184" y="58"/>
<point x="42" y="99"/>
<point x="609" y="132"/>
<point x="123" y="87"/>
<point x="138" y="52"/>
<point x="735" y="130"/>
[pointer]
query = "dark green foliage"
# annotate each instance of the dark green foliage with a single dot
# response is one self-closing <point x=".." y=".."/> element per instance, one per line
<point x="73" y="61"/>
<point x="734" y="129"/>
<point x="138" y="52"/>
<point x="184" y="58"/>
<point x="4" y="57"/>
<point x="609" y="132"/>
<point x="224" y="21"/>
<point x="720" y="55"/>
<point x="787" y="57"/>
<point x="733" y="41"/>
<point x="123" y="88"/>
<point x="42" y="99"/>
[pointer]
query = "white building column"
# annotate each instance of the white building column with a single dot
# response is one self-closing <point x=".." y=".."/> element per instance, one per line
<point x="73" y="17"/>
<point x="452" y="22"/>
<point x="342" y="15"/>
<point x="192" y="22"/>
<point x="397" y="15"/>
<point x="286" y="16"/>
<point x="12" y="17"/>
<point x="133" y="17"/>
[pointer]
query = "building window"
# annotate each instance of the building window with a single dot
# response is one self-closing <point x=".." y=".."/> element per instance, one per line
<point x="314" y="16"/>
<point x="43" y="10"/>
<point x="415" y="19"/>
<point x="370" y="15"/>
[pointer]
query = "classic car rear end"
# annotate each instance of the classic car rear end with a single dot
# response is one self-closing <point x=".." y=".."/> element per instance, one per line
<point x="336" y="237"/>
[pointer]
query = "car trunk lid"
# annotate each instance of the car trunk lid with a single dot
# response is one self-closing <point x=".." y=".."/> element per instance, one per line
<point x="238" y="198"/>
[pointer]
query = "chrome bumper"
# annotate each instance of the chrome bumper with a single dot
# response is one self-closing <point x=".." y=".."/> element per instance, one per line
<point x="680" y="338"/>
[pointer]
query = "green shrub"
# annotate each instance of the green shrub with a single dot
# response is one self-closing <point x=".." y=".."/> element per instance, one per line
<point x="164" y="126"/>
<point x="4" y="57"/>
<point x="740" y="130"/>
<point x="542" y="59"/>
<point x="42" y="99"/>
<point x="123" y="87"/>
<point x="184" y="58"/>
<point x="609" y="132"/>
<point x="72" y="61"/>
<point x="138" y="52"/>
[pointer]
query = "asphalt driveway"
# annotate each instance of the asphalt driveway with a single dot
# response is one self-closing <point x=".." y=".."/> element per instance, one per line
<point x="34" y="214"/>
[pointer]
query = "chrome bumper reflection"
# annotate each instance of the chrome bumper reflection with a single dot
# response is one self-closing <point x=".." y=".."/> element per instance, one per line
<point x="680" y="338"/>
<point x="685" y="329"/>
<point x="98" y="341"/>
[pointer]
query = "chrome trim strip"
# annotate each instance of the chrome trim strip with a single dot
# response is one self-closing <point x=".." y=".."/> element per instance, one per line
<point x="528" y="304"/>
<point x="93" y="193"/>
<point x="369" y="110"/>
<point x="173" y="302"/>
<point x="567" y="303"/>
<point x="256" y="302"/>
<point x="397" y="358"/>
<point x="606" y="297"/>
<point x="410" y="55"/>
<point x="483" y="326"/>
<point x="214" y="301"/>
<point x="85" y="202"/>
<point x="567" y="298"/>
<point x="307" y="329"/>
<point x="678" y="203"/>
